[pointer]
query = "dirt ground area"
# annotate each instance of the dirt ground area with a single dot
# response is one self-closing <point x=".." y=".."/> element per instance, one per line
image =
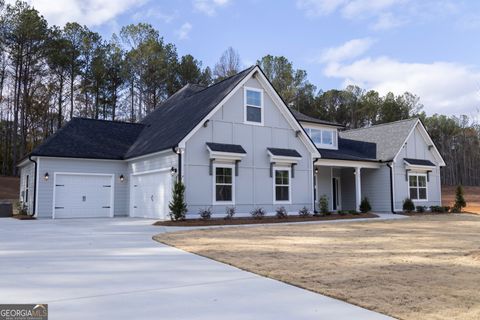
<point x="9" y="188"/>
<point x="424" y="267"/>
<point x="472" y="196"/>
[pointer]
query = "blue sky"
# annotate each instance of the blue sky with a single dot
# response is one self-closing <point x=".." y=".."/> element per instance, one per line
<point x="430" y="48"/>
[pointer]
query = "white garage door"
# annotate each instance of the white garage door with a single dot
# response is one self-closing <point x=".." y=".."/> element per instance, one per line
<point x="151" y="194"/>
<point x="83" y="196"/>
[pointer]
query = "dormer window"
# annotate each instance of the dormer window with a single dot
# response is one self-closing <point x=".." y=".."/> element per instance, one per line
<point x="253" y="106"/>
<point x="323" y="138"/>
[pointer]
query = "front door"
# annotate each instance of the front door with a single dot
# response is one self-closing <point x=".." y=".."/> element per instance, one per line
<point x="336" y="201"/>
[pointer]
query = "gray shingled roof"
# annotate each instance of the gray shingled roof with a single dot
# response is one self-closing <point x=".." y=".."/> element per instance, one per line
<point x="419" y="162"/>
<point x="304" y="118"/>
<point x="224" y="147"/>
<point x="89" y="138"/>
<point x="389" y="137"/>
<point x="177" y="116"/>
<point x="284" y="152"/>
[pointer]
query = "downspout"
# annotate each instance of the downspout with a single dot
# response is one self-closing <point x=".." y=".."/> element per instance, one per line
<point x="392" y="208"/>
<point x="34" y="186"/>
<point x="313" y="184"/>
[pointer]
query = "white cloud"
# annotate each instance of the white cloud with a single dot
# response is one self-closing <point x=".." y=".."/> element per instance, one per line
<point x="184" y="31"/>
<point x="155" y="13"/>
<point x="209" y="7"/>
<point x="381" y="14"/>
<point x="349" y="50"/>
<point x="89" y="12"/>
<point x="443" y="87"/>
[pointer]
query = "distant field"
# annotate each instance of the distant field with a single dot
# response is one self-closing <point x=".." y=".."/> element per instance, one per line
<point x="472" y="196"/>
<point x="9" y="187"/>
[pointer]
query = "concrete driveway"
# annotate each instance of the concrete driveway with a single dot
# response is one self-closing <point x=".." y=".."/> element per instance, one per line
<point x="112" y="269"/>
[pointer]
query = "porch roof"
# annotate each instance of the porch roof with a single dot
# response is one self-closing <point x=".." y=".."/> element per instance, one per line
<point x="419" y="162"/>
<point x="352" y="150"/>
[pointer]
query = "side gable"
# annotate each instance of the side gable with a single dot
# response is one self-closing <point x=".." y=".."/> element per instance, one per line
<point x="257" y="73"/>
<point x="428" y="143"/>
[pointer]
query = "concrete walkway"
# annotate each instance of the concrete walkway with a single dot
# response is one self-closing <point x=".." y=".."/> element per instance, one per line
<point x="112" y="269"/>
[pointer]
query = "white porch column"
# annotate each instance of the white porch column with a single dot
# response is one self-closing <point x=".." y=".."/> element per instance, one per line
<point x="358" y="188"/>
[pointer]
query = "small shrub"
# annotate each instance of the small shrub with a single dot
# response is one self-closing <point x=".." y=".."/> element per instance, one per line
<point x="420" y="209"/>
<point x="355" y="212"/>
<point x="304" y="212"/>
<point x="447" y="209"/>
<point x="323" y="204"/>
<point x="459" y="200"/>
<point x="229" y="212"/>
<point x="365" y="206"/>
<point x="342" y="212"/>
<point x="258" y="213"/>
<point x="281" y="213"/>
<point x="206" y="213"/>
<point x="408" y="205"/>
<point x="22" y="208"/>
<point x="437" y="209"/>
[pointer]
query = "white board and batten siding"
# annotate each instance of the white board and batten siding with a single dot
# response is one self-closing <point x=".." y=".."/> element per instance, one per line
<point x="416" y="148"/>
<point x="81" y="177"/>
<point x="150" y="183"/>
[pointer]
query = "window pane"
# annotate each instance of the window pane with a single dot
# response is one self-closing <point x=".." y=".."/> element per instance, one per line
<point x="413" y="193"/>
<point x="223" y="175"/>
<point x="316" y="136"/>
<point x="413" y="181"/>
<point x="422" y="181"/>
<point x="223" y="192"/>
<point x="254" y="114"/>
<point x="327" y="137"/>
<point x="281" y="177"/>
<point x="254" y="98"/>
<point x="422" y="193"/>
<point x="281" y="193"/>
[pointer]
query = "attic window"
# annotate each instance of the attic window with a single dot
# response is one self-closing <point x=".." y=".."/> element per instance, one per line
<point x="253" y="99"/>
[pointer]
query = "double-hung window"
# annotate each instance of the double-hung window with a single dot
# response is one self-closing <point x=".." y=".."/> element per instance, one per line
<point x="253" y="106"/>
<point x="417" y="186"/>
<point x="282" y="185"/>
<point x="224" y="184"/>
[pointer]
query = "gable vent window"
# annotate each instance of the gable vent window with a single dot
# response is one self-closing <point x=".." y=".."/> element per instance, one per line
<point x="323" y="138"/>
<point x="253" y="106"/>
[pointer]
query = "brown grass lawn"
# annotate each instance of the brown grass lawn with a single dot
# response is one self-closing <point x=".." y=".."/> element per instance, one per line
<point x="472" y="196"/>
<point x="424" y="267"/>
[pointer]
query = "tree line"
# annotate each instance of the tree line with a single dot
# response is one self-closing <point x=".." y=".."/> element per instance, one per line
<point x="49" y="74"/>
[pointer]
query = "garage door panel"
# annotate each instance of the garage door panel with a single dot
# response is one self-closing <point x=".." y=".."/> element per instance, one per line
<point x="83" y="195"/>
<point x="151" y="194"/>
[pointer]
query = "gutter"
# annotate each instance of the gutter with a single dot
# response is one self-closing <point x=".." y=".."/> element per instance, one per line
<point x="313" y="185"/>
<point x="392" y="207"/>
<point x="34" y="185"/>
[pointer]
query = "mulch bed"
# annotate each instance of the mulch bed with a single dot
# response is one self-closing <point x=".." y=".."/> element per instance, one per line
<point x="23" y="217"/>
<point x="419" y="214"/>
<point x="248" y="220"/>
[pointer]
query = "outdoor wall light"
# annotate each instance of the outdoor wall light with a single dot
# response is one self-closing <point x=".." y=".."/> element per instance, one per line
<point x="173" y="170"/>
<point x="122" y="178"/>
<point x="205" y="124"/>
<point x="316" y="170"/>
<point x="46" y="176"/>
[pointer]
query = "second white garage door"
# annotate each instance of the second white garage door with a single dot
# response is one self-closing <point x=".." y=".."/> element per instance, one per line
<point x="151" y="193"/>
<point x="83" y="195"/>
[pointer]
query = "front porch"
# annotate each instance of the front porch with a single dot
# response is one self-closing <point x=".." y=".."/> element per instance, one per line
<point x="345" y="183"/>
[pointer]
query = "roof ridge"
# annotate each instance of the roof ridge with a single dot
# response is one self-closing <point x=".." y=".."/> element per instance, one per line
<point x="381" y="124"/>
<point x="227" y="78"/>
<point x="105" y="120"/>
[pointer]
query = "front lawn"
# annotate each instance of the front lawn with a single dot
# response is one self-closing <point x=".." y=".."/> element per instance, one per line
<point x="425" y="267"/>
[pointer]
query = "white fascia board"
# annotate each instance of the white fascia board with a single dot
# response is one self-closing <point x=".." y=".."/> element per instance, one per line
<point x="25" y="161"/>
<point x="157" y="153"/>
<point x="283" y="159"/>
<point x="348" y="163"/>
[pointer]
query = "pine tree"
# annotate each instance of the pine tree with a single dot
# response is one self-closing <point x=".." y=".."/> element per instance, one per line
<point x="459" y="200"/>
<point x="178" y="207"/>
